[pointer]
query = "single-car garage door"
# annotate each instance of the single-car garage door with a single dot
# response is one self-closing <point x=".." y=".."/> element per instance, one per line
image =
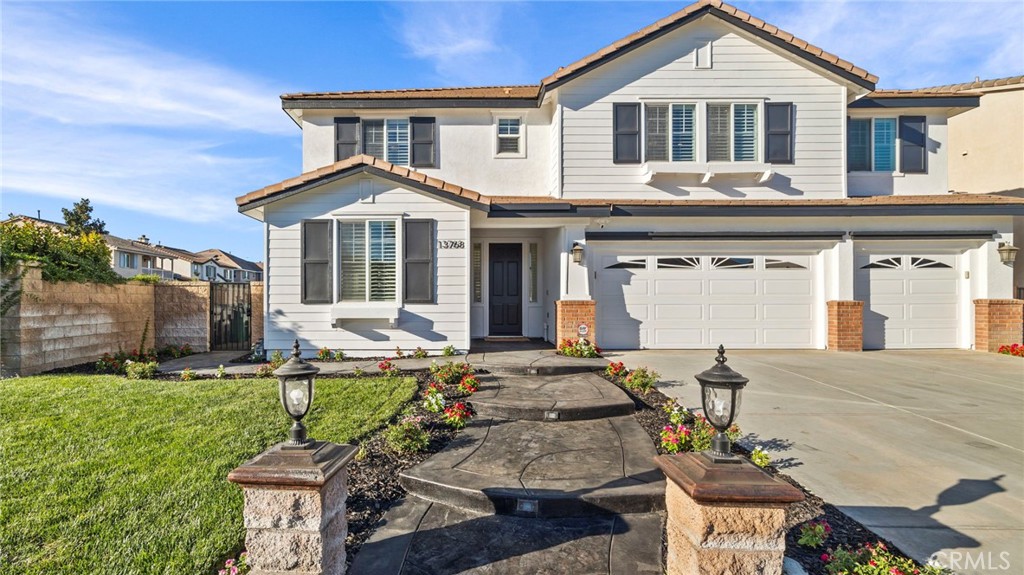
<point x="910" y="301"/>
<point x="688" y="301"/>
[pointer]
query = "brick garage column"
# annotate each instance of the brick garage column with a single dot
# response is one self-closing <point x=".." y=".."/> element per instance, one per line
<point x="845" y="325"/>
<point x="570" y="314"/>
<point x="724" y="518"/>
<point x="998" y="322"/>
<point x="295" y="509"/>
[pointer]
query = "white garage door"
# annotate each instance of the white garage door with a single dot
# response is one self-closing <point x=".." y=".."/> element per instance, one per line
<point x="676" y="302"/>
<point x="910" y="301"/>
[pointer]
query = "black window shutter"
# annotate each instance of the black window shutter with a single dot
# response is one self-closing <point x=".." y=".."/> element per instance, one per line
<point x="316" y="261"/>
<point x="626" y="133"/>
<point x="779" y="133"/>
<point x="913" y="145"/>
<point x="418" y="277"/>
<point x="346" y="138"/>
<point x="422" y="137"/>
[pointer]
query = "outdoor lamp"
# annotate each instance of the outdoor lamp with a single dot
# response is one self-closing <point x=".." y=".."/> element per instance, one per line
<point x="577" y="253"/>
<point x="1007" y="253"/>
<point x="721" y="391"/>
<point x="296" y="388"/>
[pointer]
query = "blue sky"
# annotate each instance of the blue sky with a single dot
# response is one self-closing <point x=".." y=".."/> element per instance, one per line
<point x="162" y="113"/>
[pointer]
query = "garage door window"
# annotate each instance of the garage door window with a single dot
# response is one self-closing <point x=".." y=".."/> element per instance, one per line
<point x="730" y="263"/>
<point x="916" y="263"/>
<point x="770" y="264"/>
<point x="679" y="263"/>
<point x="631" y="264"/>
<point x="887" y="263"/>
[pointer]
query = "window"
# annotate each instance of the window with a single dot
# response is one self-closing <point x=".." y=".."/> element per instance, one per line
<point x="871" y="145"/>
<point x="401" y="141"/>
<point x="478" y="289"/>
<point x="732" y="132"/>
<point x="509" y="137"/>
<point x="886" y="263"/>
<point x="684" y="263"/>
<point x="368" y="261"/>
<point x="731" y="263"/>
<point x="629" y="264"/>
<point x="211" y="272"/>
<point x="127" y="260"/>
<point x="534" y="272"/>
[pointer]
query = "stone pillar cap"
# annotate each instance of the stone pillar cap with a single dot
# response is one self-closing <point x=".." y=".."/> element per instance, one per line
<point x="311" y="467"/>
<point x="708" y="482"/>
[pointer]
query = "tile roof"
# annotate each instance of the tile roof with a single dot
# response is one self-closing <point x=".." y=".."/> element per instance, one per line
<point x="918" y="93"/>
<point x="534" y="91"/>
<point x="477" y="92"/>
<point x="230" y="261"/>
<point x="669" y="21"/>
<point x="977" y="85"/>
<point x="135" y="246"/>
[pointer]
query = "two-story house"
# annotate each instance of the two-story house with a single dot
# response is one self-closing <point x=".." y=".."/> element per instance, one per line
<point x="707" y="180"/>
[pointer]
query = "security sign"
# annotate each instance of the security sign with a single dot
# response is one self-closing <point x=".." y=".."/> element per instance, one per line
<point x="583" y="330"/>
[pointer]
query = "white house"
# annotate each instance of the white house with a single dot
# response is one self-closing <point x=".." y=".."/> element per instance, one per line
<point x="707" y="180"/>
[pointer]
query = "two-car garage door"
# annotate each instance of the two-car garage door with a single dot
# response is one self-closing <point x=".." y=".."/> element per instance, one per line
<point x="701" y="301"/>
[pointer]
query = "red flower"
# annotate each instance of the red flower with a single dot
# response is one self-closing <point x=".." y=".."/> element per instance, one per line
<point x="825" y="557"/>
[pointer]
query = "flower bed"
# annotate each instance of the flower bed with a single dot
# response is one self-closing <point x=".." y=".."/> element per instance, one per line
<point x="1016" y="350"/>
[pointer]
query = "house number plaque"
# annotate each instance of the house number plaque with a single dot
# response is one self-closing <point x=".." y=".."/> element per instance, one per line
<point x="451" y="244"/>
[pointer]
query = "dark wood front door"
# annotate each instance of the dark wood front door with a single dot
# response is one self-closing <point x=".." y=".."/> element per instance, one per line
<point x="506" y="299"/>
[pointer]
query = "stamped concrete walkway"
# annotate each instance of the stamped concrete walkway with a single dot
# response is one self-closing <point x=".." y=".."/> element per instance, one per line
<point x="554" y="475"/>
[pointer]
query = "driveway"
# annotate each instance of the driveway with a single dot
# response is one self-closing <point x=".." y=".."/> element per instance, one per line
<point x="926" y="448"/>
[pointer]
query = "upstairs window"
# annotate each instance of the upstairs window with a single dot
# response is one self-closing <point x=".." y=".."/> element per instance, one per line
<point x="510" y="138"/>
<point x="671" y="132"/>
<point x="401" y="141"/>
<point x="387" y="140"/>
<point x="127" y="260"/>
<point x="871" y="144"/>
<point x="732" y="133"/>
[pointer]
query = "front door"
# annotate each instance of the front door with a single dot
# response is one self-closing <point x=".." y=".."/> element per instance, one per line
<point x="506" y="280"/>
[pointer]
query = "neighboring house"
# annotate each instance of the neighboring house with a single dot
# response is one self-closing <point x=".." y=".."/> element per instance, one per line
<point x="707" y="180"/>
<point x="219" y="266"/>
<point x="134" y="257"/>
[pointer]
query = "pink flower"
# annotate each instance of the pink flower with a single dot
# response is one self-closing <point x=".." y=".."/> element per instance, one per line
<point x="229" y="562"/>
<point x="234" y="571"/>
<point x="824" y="557"/>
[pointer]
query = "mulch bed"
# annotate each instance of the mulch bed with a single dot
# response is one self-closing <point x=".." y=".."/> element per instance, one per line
<point x="846" y="531"/>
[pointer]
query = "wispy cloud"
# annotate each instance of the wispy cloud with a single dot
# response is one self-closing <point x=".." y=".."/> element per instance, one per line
<point x="90" y="113"/>
<point x="911" y="44"/>
<point x="466" y="43"/>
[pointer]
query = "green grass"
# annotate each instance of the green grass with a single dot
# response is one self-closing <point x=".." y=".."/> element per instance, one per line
<point x="104" y="475"/>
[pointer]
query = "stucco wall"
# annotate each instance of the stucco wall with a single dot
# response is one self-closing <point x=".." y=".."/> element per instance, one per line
<point x="987" y="144"/>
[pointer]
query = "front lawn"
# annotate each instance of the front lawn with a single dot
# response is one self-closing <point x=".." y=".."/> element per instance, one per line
<point x="100" y="474"/>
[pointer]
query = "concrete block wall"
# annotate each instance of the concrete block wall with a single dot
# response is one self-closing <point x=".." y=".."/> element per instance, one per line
<point x="256" y="317"/>
<point x="182" y="314"/>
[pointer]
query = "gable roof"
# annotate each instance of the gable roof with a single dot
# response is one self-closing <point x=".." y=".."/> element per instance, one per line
<point x="532" y="95"/>
<point x="229" y="261"/>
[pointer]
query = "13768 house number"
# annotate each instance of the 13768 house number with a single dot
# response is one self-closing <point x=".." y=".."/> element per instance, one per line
<point x="451" y="244"/>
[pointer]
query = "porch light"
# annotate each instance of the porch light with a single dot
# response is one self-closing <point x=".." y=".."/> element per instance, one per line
<point x="296" y="390"/>
<point x="721" y="392"/>
<point x="577" y="253"/>
<point x="1007" y="253"/>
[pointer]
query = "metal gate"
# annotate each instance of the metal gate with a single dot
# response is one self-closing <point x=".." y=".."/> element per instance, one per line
<point x="230" y="314"/>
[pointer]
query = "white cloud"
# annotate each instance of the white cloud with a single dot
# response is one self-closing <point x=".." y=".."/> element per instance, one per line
<point x="90" y="113"/>
<point x="463" y="41"/>
<point x="911" y="44"/>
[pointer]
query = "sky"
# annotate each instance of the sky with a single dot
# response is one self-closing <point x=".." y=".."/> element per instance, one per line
<point x="161" y="113"/>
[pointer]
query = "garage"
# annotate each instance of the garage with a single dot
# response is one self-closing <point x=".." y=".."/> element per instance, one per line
<point x="668" y="301"/>
<point x="910" y="300"/>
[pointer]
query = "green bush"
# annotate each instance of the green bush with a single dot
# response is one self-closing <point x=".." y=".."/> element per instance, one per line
<point x="140" y="369"/>
<point x="151" y="279"/>
<point x="641" y="379"/>
<point x="64" y="257"/>
<point x="407" y="436"/>
<point x="449" y="373"/>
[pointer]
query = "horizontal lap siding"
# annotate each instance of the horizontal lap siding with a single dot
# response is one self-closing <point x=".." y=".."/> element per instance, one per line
<point x="742" y="69"/>
<point x="431" y="326"/>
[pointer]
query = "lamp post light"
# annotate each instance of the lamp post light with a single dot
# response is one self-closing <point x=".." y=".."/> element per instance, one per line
<point x="296" y="389"/>
<point x="721" y="392"/>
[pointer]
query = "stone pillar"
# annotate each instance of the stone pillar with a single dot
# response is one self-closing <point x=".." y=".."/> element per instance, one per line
<point x="295" y="509"/>
<point x="998" y="322"/>
<point x="724" y="518"/>
<point x="570" y="314"/>
<point x="845" y="325"/>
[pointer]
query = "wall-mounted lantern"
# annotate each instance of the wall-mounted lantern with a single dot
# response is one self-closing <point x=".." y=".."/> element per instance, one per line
<point x="1007" y="253"/>
<point x="577" y="253"/>
<point x="296" y="379"/>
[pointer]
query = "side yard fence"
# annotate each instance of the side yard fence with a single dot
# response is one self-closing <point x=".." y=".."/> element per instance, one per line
<point x="62" y="324"/>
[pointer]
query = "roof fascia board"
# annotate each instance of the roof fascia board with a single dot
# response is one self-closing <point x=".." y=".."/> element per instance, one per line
<point x="403" y="103"/>
<point x="935" y="235"/>
<point x="513" y="211"/>
<point x="708" y="236"/>
<point x="355" y="170"/>
<point x="728" y="19"/>
<point x="917" y="102"/>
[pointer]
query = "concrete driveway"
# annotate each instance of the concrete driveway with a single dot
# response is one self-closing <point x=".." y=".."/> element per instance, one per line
<point x="926" y="448"/>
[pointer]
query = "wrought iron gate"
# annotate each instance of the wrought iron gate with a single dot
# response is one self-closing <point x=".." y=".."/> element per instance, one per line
<point x="230" y="314"/>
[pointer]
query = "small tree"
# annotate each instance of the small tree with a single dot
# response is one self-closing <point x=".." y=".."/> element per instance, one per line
<point x="80" y="221"/>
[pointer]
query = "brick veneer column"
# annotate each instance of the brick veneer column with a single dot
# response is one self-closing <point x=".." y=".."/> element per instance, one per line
<point x="998" y="322"/>
<point x="570" y="314"/>
<point x="845" y="325"/>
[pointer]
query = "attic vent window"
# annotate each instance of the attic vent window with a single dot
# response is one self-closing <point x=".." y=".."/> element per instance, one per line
<point x="702" y="55"/>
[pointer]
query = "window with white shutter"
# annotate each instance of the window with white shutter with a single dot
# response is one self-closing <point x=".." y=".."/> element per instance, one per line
<point x="683" y="123"/>
<point x="368" y="260"/>
<point x="719" y="132"/>
<point x="744" y="121"/>
<point x="509" y="137"/>
<point x="397" y="148"/>
<point x="657" y="133"/>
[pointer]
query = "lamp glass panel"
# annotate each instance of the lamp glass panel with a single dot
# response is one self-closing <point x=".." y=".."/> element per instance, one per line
<point x="737" y="400"/>
<point x="297" y="398"/>
<point x="717" y="405"/>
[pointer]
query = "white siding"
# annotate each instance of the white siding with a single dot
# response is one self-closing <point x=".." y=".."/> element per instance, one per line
<point x="742" y="69"/>
<point x="896" y="183"/>
<point x="431" y="326"/>
<point x="466" y="146"/>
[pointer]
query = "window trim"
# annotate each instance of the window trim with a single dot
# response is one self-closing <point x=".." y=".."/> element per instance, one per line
<point x="399" y="221"/>
<point x="497" y="136"/>
<point x="701" y="131"/>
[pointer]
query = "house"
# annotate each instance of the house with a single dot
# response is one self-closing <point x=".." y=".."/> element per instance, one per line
<point x="219" y="266"/>
<point x="709" y="179"/>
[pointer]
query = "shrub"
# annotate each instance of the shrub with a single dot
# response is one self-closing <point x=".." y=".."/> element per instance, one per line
<point x="339" y="355"/>
<point x="139" y="369"/>
<point x="175" y="351"/>
<point x="641" y="379"/>
<point x="419" y="353"/>
<point x="264" y="370"/>
<point x="151" y="279"/>
<point x="578" y="348"/>
<point x="387" y="368"/>
<point x="814" y="533"/>
<point x="188" y="375"/>
<point x="324" y="354"/>
<point x="449" y="373"/>
<point x="760" y="457"/>
<point x="615" y="369"/>
<point x="701" y="433"/>
<point x="690" y="433"/>
<point x="449" y="351"/>
<point x="63" y="256"/>
<point x="407" y="436"/>
<point x="358" y="372"/>
<point x="399" y="354"/>
<point x="1016" y="350"/>
<point x="457" y="415"/>
<point x="238" y="566"/>
<point x="221" y="373"/>
<point x="874" y="560"/>
<point x="433" y="399"/>
<point x="677" y="414"/>
<point x="276" y="359"/>
<point x="675" y="439"/>
<point x="469" y="383"/>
